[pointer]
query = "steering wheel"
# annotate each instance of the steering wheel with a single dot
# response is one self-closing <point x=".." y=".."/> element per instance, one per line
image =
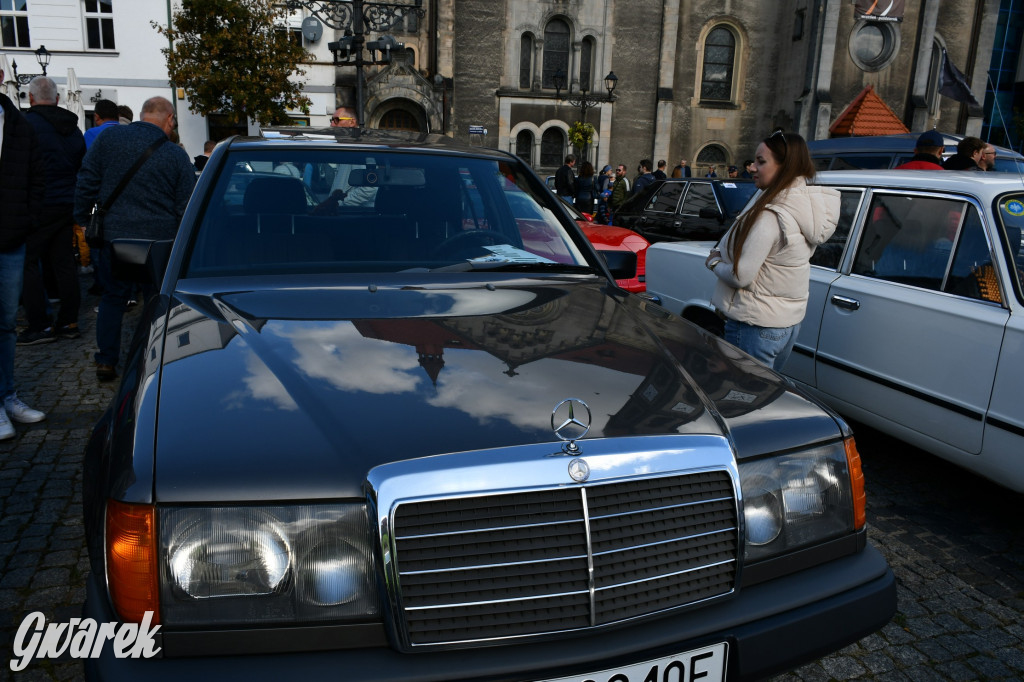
<point x="469" y="242"/>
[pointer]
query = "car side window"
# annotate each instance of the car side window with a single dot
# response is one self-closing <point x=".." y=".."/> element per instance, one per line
<point x="972" y="273"/>
<point x="667" y="198"/>
<point x="829" y="254"/>
<point x="698" y="195"/>
<point x="909" y="239"/>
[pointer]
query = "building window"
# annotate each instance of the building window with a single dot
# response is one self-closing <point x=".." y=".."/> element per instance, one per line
<point x="99" y="24"/>
<point x="14" y="23"/>
<point x="524" y="146"/>
<point x="934" y="70"/>
<point x="586" y="64"/>
<point x="874" y="44"/>
<point x="552" y="147"/>
<point x="719" y="53"/>
<point x="525" y="61"/>
<point x="399" y="119"/>
<point x="556" y="51"/>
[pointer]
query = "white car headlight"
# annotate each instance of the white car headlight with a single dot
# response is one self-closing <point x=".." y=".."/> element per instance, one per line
<point x="797" y="499"/>
<point x="238" y="565"/>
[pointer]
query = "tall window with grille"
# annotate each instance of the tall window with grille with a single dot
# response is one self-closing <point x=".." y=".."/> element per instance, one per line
<point x="556" y="51"/>
<point x="525" y="61"/>
<point x="553" y="144"/>
<point x="719" y="55"/>
<point x="14" y="23"/>
<point x="99" y="24"/>
<point x="586" y="63"/>
<point x="524" y="146"/>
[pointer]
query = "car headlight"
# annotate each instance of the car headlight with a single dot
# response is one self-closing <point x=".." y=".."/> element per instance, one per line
<point x="287" y="564"/>
<point x="801" y="498"/>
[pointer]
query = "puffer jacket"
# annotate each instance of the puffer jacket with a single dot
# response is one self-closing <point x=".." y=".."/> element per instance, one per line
<point x="771" y="290"/>
<point x="21" y="178"/>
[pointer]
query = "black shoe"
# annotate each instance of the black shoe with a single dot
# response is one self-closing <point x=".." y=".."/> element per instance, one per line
<point x="69" y="331"/>
<point x="105" y="372"/>
<point x="30" y="338"/>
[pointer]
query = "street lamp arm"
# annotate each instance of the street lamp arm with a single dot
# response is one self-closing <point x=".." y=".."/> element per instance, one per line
<point x="375" y="16"/>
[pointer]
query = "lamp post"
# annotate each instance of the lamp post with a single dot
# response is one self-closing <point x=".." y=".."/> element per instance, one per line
<point x="355" y="17"/>
<point x="42" y="57"/>
<point x="583" y="99"/>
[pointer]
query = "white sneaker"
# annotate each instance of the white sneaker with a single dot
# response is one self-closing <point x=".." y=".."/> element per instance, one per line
<point x="6" y="427"/>
<point x="20" y="412"/>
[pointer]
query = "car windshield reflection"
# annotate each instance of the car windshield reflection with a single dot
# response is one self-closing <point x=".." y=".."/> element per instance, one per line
<point x="383" y="211"/>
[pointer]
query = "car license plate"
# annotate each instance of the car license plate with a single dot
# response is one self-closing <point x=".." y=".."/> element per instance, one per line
<point x="699" y="665"/>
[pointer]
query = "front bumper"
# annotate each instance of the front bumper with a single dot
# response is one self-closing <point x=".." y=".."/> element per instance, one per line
<point x="770" y="627"/>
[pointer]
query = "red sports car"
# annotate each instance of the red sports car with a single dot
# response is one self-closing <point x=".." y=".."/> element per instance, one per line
<point x="611" y="238"/>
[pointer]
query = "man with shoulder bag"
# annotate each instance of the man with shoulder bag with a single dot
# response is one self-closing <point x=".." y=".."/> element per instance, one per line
<point x="131" y="185"/>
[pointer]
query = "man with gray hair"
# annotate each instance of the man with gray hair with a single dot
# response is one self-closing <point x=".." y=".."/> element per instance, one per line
<point x="149" y="207"/>
<point x="51" y="245"/>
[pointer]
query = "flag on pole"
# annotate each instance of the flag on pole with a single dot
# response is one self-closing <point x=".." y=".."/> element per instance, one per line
<point x="953" y="84"/>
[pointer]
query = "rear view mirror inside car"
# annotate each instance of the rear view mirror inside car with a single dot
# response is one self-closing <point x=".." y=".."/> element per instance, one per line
<point x="383" y="176"/>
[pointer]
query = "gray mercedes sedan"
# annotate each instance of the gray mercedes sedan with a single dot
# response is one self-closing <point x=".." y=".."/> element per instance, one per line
<point x="408" y="431"/>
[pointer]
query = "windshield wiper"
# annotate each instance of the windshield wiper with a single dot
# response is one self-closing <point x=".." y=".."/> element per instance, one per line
<point x="510" y="266"/>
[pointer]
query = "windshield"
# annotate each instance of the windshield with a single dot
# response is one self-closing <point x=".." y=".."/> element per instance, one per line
<point x="305" y="210"/>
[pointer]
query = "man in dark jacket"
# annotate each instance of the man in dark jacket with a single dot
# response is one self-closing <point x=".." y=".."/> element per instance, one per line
<point x="645" y="177"/>
<point x="21" y="193"/>
<point x="565" y="181"/>
<point x="62" y="147"/>
<point x="970" y="155"/>
<point x="149" y="207"/>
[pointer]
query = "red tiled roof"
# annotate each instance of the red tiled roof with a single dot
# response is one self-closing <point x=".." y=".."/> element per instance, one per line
<point x="867" y="114"/>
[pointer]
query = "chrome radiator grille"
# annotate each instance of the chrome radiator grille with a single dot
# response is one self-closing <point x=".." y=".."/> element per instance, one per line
<point x="508" y="565"/>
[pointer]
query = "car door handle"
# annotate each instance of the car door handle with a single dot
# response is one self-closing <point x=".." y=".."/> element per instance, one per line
<point x="844" y="302"/>
<point x="677" y="223"/>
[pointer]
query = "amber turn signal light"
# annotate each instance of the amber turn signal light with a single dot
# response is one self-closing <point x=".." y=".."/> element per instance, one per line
<point x="857" y="484"/>
<point x="132" y="560"/>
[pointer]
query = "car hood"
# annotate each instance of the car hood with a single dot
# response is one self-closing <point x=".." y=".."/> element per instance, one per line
<point x="272" y="394"/>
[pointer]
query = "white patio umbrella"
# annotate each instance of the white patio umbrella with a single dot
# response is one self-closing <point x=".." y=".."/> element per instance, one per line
<point x="10" y="85"/>
<point x="73" y="102"/>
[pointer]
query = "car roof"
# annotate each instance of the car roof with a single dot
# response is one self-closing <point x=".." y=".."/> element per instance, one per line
<point x="361" y="138"/>
<point x="942" y="180"/>
<point x="892" y="144"/>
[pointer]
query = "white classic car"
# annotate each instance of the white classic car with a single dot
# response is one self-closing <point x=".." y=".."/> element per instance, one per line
<point x="915" y="323"/>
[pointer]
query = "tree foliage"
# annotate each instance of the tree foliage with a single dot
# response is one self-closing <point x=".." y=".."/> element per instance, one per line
<point x="233" y="57"/>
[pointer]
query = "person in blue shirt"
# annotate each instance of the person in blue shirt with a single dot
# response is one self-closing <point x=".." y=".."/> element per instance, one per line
<point x="104" y="116"/>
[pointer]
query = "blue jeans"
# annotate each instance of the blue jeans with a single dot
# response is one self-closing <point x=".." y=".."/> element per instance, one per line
<point x="770" y="345"/>
<point x="12" y="271"/>
<point x="116" y="293"/>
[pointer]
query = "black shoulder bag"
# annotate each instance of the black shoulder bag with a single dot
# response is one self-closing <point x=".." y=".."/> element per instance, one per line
<point x="94" y="230"/>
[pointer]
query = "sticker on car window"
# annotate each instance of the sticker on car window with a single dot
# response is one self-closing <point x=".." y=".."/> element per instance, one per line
<point x="731" y="185"/>
<point x="506" y="253"/>
<point x="1014" y="207"/>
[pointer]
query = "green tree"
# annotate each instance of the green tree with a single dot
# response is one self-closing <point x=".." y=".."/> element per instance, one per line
<point x="233" y="57"/>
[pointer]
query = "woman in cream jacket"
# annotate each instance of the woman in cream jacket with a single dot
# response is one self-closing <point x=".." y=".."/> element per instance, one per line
<point x="763" y="266"/>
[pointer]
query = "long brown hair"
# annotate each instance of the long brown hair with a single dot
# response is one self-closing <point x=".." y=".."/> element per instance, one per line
<point x="794" y="160"/>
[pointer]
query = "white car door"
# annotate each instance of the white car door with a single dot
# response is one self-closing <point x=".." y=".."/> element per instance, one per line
<point x="824" y="269"/>
<point x="907" y="336"/>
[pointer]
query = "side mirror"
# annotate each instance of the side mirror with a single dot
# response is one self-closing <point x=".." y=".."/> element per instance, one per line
<point x="621" y="263"/>
<point x="712" y="214"/>
<point x="141" y="260"/>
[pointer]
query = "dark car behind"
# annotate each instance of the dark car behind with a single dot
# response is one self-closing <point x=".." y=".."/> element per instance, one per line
<point x="685" y="208"/>
<point x="888" y="151"/>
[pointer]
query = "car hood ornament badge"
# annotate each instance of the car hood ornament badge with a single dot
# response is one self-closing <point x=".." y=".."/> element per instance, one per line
<point x="570" y="421"/>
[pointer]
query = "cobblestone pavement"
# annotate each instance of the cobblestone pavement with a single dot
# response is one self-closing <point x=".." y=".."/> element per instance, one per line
<point x="955" y="542"/>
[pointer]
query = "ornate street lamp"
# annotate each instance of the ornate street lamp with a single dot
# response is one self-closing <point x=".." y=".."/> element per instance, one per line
<point x="42" y="57"/>
<point x="583" y="99"/>
<point x="355" y="18"/>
